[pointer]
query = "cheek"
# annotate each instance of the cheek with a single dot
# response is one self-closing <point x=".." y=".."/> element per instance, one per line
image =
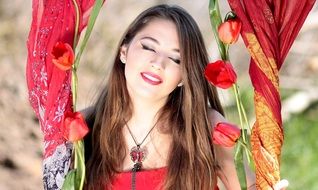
<point x="138" y="58"/>
<point x="130" y="70"/>
<point x="133" y="62"/>
<point x="175" y="76"/>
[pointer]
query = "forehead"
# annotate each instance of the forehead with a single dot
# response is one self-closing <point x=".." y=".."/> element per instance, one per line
<point x="163" y="30"/>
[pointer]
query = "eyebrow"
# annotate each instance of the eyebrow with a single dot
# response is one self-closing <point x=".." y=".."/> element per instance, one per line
<point x="157" y="42"/>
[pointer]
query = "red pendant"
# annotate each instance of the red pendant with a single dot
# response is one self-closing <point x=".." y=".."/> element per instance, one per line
<point x="138" y="154"/>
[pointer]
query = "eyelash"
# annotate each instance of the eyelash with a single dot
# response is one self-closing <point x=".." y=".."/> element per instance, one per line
<point x="177" y="61"/>
<point x="147" y="48"/>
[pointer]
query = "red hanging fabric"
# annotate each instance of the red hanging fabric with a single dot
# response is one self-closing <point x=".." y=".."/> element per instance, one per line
<point x="50" y="88"/>
<point x="269" y="28"/>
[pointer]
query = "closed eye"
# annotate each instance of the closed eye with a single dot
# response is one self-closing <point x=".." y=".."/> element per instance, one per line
<point x="147" y="48"/>
<point x="177" y="61"/>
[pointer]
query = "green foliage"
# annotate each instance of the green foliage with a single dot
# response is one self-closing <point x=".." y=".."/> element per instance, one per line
<point x="69" y="183"/>
<point x="75" y="178"/>
<point x="247" y="101"/>
<point x="299" y="156"/>
<point x="239" y="164"/>
<point x="299" y="159"/>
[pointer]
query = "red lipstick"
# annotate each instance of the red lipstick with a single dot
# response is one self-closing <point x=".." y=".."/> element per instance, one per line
<point x="151" y="78"/>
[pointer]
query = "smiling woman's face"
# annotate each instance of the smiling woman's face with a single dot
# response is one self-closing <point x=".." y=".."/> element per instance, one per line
<point x="152" y="59"/>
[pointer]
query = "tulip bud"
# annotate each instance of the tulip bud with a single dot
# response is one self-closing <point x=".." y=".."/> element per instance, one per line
<point x="226" y="134"/>
<point x="230" y="29"/>
<point x="220" y="74"/>
<point x="63" y="56"/>
<point x="73" y="126"/>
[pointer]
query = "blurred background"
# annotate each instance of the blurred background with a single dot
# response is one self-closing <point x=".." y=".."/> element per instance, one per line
<point x="20" y="136"/>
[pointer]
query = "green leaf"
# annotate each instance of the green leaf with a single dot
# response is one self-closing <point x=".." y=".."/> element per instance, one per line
<point x="69" y="182"/>
<point x="239" y="165"/>
<point x="216" y="20"/>
<point x="251" y="163"/>
<point x="76" y="23"/>
<point x="79" y="163"/>
<point x="96" y="8"/>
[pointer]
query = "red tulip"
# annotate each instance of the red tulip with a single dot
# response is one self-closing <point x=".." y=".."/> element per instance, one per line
<point x="73" y="126"/>
<point x="226" y="134"/>
<point x="63" y="56"/>
<point x="221" y="74"/>
<point x="229" y="31"/>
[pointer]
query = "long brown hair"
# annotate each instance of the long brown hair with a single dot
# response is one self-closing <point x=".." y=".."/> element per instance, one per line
<point x="191" y="163"/>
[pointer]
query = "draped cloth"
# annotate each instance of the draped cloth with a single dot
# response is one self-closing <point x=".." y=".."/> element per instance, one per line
<point x="269" y="28"/>
<point x="49" y="87"/>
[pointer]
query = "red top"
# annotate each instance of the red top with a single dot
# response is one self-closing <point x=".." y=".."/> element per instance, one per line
<point x="145" y="179"/>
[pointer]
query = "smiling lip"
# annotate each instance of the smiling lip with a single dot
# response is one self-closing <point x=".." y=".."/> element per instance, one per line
<point x="151" y="78"/>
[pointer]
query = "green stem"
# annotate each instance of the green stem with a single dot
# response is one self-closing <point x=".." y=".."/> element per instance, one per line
<point x="248" y="155"/>
<point x="244" y="114"/>
<point x="80" y="156"/>
<point x="77" y="159"/>
<point x="76" y="24"/>
<point x="247" y="151"/>
<point x="74" y="68"/>
<point x="92" y="19"/>
<point x="74" y="87"/>
<point x="239" y="165"/>
<point x="216" y="20"/>
<point x="239" y="111"/>
<point x="245" y="146"/>
<point x="229" y="15"/>
<point x="75" y="155"/>
<point x="226" y="47"/>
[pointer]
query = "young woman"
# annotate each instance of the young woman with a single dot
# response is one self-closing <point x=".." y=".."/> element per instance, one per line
<point x="151" y="126"/>
<point x="152" y="123"/>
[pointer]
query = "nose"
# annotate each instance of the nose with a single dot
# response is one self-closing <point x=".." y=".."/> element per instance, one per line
<point x="158" y="62"/>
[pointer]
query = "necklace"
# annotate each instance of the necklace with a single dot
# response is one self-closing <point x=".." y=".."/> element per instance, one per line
<point x="137" y="155"/>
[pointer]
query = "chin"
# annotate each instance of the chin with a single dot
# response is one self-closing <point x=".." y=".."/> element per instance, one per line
<point x="153" y="93"/>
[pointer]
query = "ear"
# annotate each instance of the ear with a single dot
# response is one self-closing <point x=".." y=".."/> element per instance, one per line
<point x="123" y="53"/>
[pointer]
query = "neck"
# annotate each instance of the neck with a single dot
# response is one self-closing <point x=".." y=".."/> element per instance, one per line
<point x="146" y="111"/>
<point x="144" y="117"/>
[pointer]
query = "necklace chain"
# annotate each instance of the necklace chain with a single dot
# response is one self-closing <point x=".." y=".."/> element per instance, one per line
<point x="133" y="137"/>
<point x="137" y="155"/>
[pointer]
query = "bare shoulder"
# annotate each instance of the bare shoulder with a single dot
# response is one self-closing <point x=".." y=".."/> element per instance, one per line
<point x="215" y="117"/>
<point x="224" y="156"/>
